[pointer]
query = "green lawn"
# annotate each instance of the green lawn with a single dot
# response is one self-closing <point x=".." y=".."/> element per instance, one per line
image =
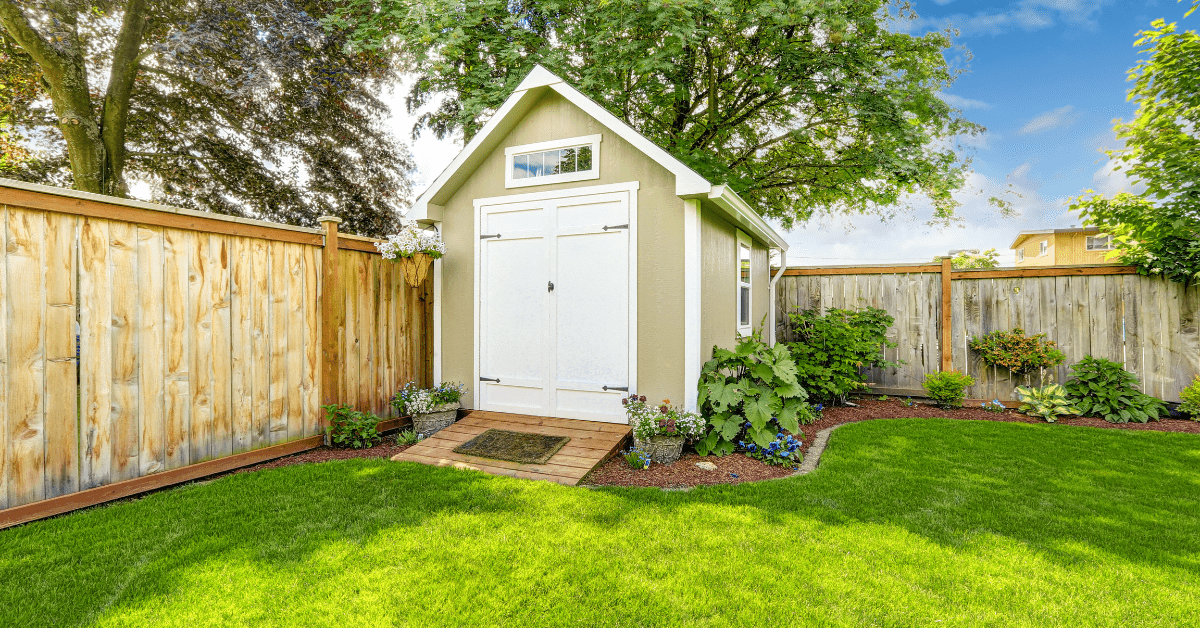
<point x="921" y="522"/>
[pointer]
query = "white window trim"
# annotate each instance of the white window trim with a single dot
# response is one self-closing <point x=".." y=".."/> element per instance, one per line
<point x="511" y="151"/>
<point x="1021" y="254"/>
<point x="1107" y="247"/>
<point x="747" y="329"/>
<point x="1044" y="248"/>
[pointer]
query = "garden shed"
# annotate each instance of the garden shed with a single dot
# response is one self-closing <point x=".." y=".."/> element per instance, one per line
<point x="584" y="261"/>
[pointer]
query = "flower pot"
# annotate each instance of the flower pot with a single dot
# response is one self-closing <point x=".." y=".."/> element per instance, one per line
<point x="415" y="268"/>
<point x="431" y="423"/>
<point x="662" y="449"/>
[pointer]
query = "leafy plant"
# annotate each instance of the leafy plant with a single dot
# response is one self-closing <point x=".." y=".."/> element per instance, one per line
<point x="830" y="351"/>
<point x="784" y="450"/>
<point x="350" y="428"/>
<point x="661" y="420"/>
<point x="1104" y="388"/>
<point x="973" y="259"/>
<point x="908" y="402"/>
<point x="947" y="388"/>
<point x="993" y="406"/>
<point x="1048" y="402"/>
<point x="636" y="458"/>
<point x="1190" y="398"/>
<point x="750" y="394"/>
<point x="883" y="397"/>
<point x="1015" y="351"/>
<point x="408" y="437"/>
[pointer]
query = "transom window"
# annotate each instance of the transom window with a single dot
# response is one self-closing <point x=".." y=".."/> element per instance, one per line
<point x="1099" y="243"/>
<point x="557" y="161"/>
<point x="743" y="283"/>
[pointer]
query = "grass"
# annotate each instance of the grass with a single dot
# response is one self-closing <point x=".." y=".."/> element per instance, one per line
<point x="917" y="522"/>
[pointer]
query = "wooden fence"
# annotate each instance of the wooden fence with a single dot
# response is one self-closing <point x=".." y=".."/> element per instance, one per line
<point x="1147" y="324"/>
<point x="145" y="345"/>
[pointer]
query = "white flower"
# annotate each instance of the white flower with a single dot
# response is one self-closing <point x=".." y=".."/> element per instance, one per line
<point x="412" y="240"/>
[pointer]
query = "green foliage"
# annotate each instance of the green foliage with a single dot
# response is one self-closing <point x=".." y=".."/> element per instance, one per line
<point x="830" y="351"/>
<point x="350" y="428"/>
<point x="750" y="394"/>
<point x="967" y="259"/>
<point x="947" y="388"/>
<point x="407" y="437"/>
<point x="994" y="406"/>
<point x="799" y="106"/>
<point x="1015" y="351"/>
<point x="1103" y="388"/>
<point x="1157" y="229"/>
<point x="1190" y="398"/>
<point x="636" y="458"/>
<point x="1048" y="402"/>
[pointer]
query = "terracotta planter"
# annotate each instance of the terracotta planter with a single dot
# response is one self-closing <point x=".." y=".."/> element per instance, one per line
<point x="433" y="422"/>
<point x="662" y="449"/>
<point x="415" y="268"/>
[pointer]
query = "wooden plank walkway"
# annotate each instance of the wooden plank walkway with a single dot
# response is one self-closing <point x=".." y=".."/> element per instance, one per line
<point x="591" y="442"/>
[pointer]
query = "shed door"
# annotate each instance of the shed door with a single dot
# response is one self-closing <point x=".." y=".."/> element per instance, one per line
<point x="554" y="323"/>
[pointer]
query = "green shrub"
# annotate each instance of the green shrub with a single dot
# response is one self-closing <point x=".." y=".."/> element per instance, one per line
<point x="350" y="428"/>
<point x="1103" y="388"/>
<point x="1047" y="402"/>
<point x="407" y="437"/>
<point x="1015" y="351"/>
<point x="750" y="394"/>
<point x="1190" y="398"/>
<point x="947" y="388"/>
<point x="830" y="351"/>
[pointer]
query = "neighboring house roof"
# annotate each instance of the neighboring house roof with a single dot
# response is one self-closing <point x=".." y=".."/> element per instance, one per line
<point x="1025" y="235"/>
<point x="688" y="183"/>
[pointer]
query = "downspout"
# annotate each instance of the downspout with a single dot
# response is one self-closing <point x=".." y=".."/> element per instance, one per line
<point x="771" y="295"/>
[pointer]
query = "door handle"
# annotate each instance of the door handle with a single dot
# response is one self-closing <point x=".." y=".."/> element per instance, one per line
<point x="490" y="379"/>
<point x="624" y="388"/>
<point x="549" y="286"/>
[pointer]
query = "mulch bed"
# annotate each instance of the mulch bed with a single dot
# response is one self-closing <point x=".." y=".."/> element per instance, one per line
<point x="385" y="449"/>
<point x="739" y="468"/>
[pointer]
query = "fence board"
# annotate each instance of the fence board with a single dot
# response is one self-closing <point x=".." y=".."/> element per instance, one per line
<point x="312" y="342"/>
<point x="151" y="350"/>
<point x="295" y="334"/>
<point x="241" y="343"/>
<point x="177" y="256"/>
<point x="4" y="359"/>
<point x="95" y="353"/>
<point x="61" y="426"/>
<point x="221" y="444"/>
<point x="200" y="302"/>
<point x="25" y="253"/>
<point x="123" y="282"/>
<point x="260" y="353"/>
<point x="279" y="341"/>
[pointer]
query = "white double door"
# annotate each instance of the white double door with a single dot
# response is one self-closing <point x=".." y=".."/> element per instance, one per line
<point x="554" y="318"/>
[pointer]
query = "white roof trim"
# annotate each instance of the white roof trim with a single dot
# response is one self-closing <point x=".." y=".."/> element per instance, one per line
<point x="688" y="183"/>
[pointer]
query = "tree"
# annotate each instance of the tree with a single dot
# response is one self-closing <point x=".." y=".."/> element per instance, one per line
<point x="244" y="107"/>
<point x="973" y="259"/>
<point x="1158" y="229"/>
<point x="800" y="106"/>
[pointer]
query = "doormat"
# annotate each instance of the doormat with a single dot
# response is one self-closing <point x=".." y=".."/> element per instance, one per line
<point x="513" y="446"/>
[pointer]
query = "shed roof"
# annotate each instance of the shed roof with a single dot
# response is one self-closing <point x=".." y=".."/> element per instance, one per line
<point x="1025" y="235"/>
<point x="688" y="183"/>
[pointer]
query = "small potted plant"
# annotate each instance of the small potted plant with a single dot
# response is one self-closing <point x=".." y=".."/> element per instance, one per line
<point x="660" y="431"/>
<point x="432" y="409"/>
<point x="414" y="249"/>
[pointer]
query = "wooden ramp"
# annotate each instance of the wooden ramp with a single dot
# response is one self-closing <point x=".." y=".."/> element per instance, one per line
<point x="590" y="443"/>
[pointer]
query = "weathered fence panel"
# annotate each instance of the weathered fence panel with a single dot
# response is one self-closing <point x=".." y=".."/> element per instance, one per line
<point x="140" y="340"/>
<point x="1147" y="324"/>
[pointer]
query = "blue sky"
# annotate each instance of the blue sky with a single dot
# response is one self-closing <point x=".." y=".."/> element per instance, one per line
<point x="1046" y="77"/>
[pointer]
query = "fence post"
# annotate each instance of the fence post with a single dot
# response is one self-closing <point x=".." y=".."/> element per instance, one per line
<point x="331" y="314"/>
<point x="947" y="269"/>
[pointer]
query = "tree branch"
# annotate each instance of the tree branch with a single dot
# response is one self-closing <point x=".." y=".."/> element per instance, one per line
<point x="116" y="100"/>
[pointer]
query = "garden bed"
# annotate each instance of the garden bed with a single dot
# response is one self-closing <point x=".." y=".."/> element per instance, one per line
<point x="385" y="449"/>
<point x="738" y="468"/>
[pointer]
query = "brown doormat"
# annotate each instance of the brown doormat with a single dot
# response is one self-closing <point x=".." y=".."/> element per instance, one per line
<point x="513" y="446"/>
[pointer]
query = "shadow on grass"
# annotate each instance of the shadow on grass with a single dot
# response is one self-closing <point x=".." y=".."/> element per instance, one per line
<point x="1065" y="492"/>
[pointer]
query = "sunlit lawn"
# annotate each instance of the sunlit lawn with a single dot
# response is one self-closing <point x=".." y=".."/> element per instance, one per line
<point x="906" y="523"/>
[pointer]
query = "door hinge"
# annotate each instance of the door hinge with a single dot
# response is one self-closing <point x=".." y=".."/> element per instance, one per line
<point x="486" y="236"/>
<point x="549" y="286"/>
<point x="624" y="388"/>
<point x="490" y="379"/>
<point x="606" y="227"/>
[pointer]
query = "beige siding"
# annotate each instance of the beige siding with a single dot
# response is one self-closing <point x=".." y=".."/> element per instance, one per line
<point x="659" y="246"/>
<point x="718" y="277"/>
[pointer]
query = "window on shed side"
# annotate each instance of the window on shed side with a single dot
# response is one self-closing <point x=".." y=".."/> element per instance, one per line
<point x="1099" y="243"/>
<point x="1021" y="254"/>
<point x="551" y="162"/>
<point x="1044" y="247"/>
<point x="743" y="282"/>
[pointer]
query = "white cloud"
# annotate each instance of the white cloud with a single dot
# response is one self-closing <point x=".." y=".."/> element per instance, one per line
<point x="1027" y="15"/>
<point x="1063" y="116"/>
<point x="1108" y="180"/>
<point x="959" y="102"/>
<point x="430" y="154"/>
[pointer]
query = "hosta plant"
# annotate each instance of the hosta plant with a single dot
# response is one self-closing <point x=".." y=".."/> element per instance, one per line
<point x="1048" y="402"/>
<point x="750" y="394"/>
<point x="1190" y="398"/>
<point x="1105" y="389"/>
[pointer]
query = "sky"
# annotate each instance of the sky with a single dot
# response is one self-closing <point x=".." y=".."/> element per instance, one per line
<point x="1045" y="77"/>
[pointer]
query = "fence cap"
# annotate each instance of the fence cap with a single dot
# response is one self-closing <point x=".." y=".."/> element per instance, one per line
<point x="333" y="219"/>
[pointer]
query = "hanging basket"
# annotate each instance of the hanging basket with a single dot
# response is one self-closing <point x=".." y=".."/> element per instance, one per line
<point x="415" y="268"/>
